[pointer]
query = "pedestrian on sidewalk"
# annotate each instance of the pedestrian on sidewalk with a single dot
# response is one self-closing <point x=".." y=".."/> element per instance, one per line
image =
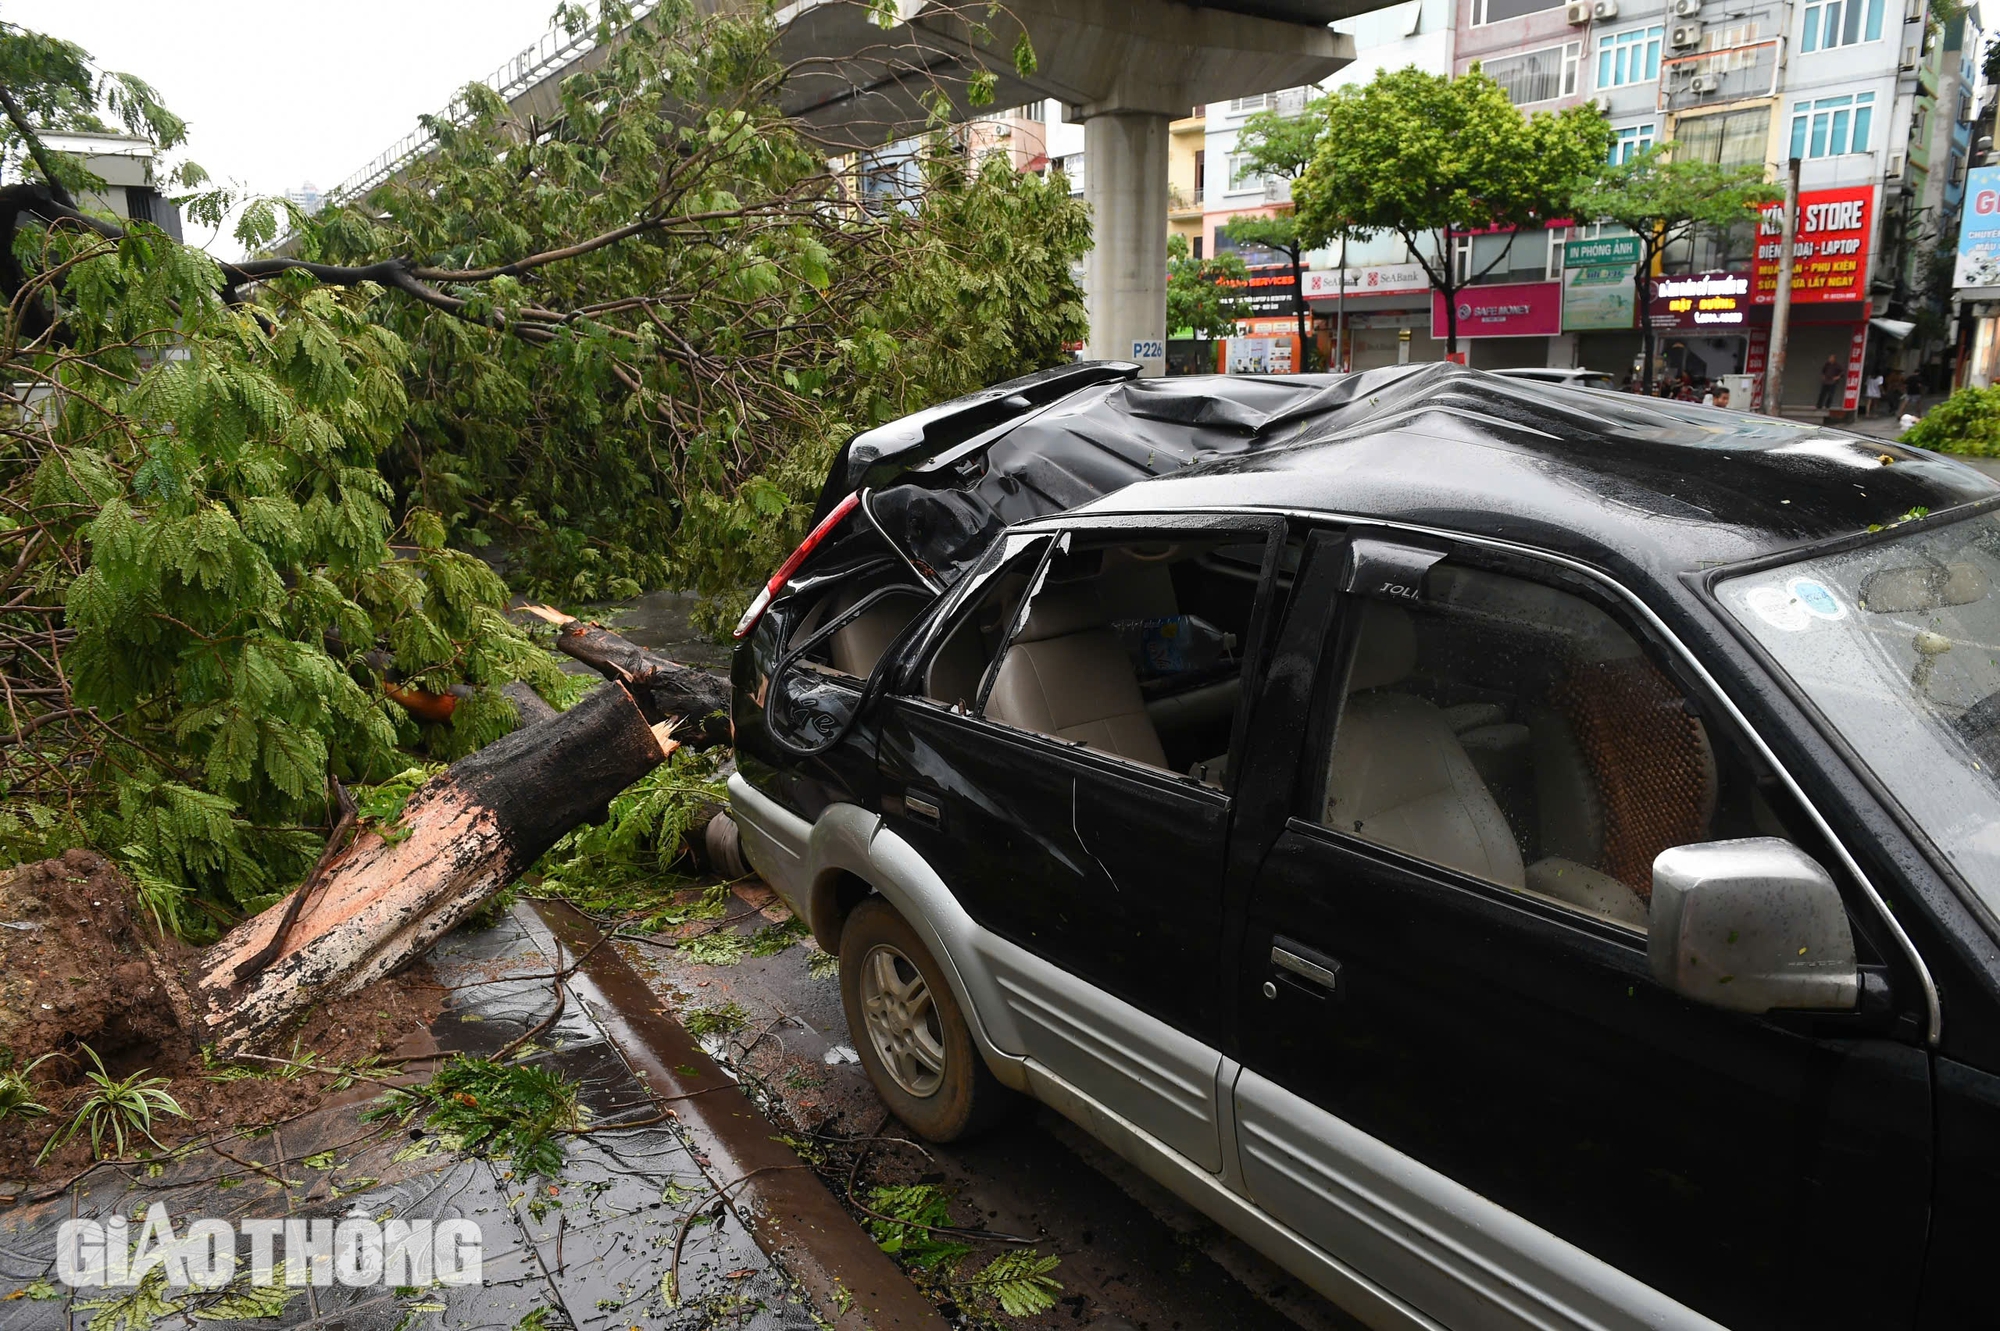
<point x="1830" y="377"/>
<point x="1895" y="393"/>
<point x="1871" y="396"/>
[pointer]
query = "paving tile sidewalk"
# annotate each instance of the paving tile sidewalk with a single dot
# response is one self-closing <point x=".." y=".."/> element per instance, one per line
<point x="588" y="1253"/>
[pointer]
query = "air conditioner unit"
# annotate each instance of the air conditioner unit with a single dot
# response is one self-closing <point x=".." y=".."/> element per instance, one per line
<point x="1577" y="12"/>
<point x="1910" y="56"/>
<point x="1687" y="8"/>
<point x="1604" y="102"/>
<point x="1705" y="83"/>
<point x="1604" y="9"/>
<point x="1685" y="35"/>
<point x="1895" y="166"/>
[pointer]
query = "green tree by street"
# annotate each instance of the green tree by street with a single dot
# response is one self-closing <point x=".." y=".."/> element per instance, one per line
<point x="1199" y="296"/>
<point x="1663" y="200"/>
<point x="1279" y="147"/>
<point x="623" y="341"/>
<point x="1429" y="157"/>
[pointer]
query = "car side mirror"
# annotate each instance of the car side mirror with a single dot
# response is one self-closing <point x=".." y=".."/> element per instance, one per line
<point x="1751" y="925"/>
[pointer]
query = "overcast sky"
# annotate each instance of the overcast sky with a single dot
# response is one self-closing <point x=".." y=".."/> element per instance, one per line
<point x="277" y="94"/>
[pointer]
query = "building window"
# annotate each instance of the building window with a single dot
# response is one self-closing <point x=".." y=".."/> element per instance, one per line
<point x="1629" y="57"/>
<point x="1242" y="180"/>
<point x="1537" y="76"/>
<point x="1200" y="176"/>
<point x="1631" y="141"/>
<point x="1831" y="126"/>
<point x="1493" y="11"/>
<point x="1732" y="138"/>
<point x="1841" y="23"/>
<point x="1504" y="256"/>
<point x="1285" y="102"/>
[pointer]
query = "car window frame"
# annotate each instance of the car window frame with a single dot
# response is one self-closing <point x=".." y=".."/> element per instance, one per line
<point x="1328" y="702"/>
<point x="1060" y="532"/>
<point x="1668" y="652"/>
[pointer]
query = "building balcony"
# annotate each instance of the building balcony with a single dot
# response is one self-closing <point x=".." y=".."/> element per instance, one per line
<point x="1182" y="204"/>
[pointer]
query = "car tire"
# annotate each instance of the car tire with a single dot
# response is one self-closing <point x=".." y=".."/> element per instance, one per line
<point x="915" y="1043"/>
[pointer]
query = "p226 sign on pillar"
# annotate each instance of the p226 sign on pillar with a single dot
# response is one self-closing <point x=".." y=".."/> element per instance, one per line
<point x="1830" y="252"/>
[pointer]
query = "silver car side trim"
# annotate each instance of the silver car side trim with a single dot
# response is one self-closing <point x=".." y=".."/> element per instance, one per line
<point x="1348" y="1287"/>
<point x="1225" y="1121"/>
<point x="1462" y="1259"/>
<point x="1934" y="1009"/>
<point x="1159" y="1078"/>
<point x="774" y="841"/>
<point x="848" y="838"/>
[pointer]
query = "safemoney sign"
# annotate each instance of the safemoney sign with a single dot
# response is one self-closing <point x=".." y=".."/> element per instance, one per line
<point x="1830" y="251"/>
<point x="1979" y="230"/>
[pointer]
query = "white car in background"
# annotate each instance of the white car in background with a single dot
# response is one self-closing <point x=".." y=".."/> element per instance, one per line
<point x="1577" y="378"/>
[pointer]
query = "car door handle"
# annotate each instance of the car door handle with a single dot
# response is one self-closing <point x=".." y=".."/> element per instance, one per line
<point x="924" y="806"/>
<point x="1315" y="968"/>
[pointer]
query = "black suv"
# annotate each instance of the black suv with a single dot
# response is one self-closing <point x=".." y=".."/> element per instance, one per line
<point x="1521" y="856"/>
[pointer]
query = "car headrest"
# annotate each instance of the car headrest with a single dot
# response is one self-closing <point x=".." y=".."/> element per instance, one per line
<point x="1388" y="649"/>
<point x="1061" y="609"/>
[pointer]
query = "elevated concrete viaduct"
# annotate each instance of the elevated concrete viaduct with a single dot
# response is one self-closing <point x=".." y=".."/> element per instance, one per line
<point x="866" y="71"/>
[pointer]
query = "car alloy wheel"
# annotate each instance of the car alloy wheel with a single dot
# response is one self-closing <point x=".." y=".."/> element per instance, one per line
<point x="902" y="1020"/>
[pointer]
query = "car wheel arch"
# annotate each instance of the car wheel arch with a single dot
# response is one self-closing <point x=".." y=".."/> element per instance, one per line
<point x="853" y="856"/>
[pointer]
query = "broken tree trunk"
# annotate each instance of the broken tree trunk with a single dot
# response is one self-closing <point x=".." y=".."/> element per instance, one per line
<point x="462" y="836"/>
<point x="664" y="687"/>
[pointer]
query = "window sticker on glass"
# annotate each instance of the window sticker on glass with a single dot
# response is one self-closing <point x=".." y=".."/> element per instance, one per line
<point x="1818" y="599"/>
<point x="1777" y="607"/>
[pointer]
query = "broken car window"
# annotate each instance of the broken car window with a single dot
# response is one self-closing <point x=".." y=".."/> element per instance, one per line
<point x="1134" y="648"/>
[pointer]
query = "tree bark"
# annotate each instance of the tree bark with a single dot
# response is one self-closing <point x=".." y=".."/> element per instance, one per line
<point x="463" y="836"/>
<point x="697" y="699"/>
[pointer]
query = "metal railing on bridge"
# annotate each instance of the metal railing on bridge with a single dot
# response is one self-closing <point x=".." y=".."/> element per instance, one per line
<point x="557" y="50"/>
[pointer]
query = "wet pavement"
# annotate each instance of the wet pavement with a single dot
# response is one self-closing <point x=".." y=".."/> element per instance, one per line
<point x="1133" y="1255"/>
<point x="642" y="1229"/>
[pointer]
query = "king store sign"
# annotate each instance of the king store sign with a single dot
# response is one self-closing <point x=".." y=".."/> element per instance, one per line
<point x="1830" y="252"/>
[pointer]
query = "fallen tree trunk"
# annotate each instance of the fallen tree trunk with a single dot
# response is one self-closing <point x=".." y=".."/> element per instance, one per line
<point x="664" y="687"/>
<point x="464" y="835"/>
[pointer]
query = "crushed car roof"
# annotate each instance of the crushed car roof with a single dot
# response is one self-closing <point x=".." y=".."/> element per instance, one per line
<point x="1611" y="478"/>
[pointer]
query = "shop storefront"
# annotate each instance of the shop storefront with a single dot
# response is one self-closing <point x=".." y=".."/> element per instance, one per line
<point x="1598" y="302"/>
<point x="1829" y="289"/>
<point x="1505" y="325"/>
<point x="1383" y="319"/>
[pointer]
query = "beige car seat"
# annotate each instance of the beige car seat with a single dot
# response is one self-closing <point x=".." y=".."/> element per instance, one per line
<point x="1400" y="777"/>
<point x="1066" y="674"/>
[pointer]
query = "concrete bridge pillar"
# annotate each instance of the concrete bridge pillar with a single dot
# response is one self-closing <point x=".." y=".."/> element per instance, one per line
<point x="1125" y="275"/>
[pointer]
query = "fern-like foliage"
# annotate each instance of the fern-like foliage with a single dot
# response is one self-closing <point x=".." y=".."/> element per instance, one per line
<point x="511" y="1109"/>
<point x="1017" y="1282"/>
<point x="210" y="575"/>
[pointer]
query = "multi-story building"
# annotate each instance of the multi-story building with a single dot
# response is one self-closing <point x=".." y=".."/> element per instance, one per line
<point x="1187" y="179"/>
<point x="1872" y="96"/>
<point x="1381" y="317"/>
<point x="126" y="165"/>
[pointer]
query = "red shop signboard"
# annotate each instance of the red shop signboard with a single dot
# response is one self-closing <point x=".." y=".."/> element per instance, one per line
<point x="1509" y="309"/>
<point x="1830" y="252"/>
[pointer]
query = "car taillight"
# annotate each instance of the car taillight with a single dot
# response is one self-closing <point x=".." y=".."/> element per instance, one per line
<point x="792" y="562"/>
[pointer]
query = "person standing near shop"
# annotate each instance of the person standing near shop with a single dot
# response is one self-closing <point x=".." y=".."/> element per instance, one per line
<point x="1871" y="394"/>
<point x="1830" y="375"/>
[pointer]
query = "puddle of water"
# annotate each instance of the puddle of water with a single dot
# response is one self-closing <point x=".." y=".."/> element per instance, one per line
<point x="660" y="621"/>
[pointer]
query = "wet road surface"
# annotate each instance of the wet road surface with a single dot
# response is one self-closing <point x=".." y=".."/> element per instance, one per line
<point x="1132" y="1254"/>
